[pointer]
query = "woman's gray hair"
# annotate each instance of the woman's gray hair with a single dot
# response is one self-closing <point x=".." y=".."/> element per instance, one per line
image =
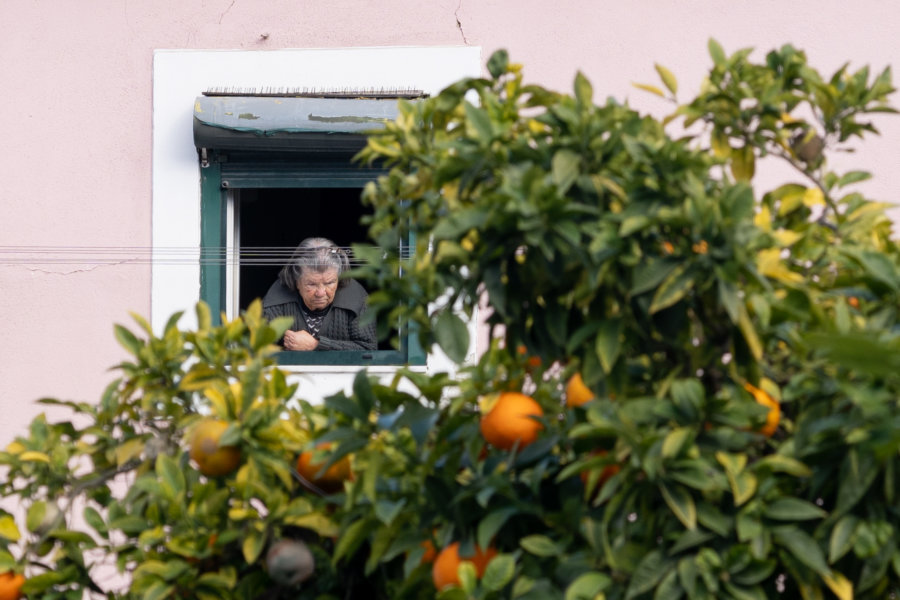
<point x="317" y="255"/>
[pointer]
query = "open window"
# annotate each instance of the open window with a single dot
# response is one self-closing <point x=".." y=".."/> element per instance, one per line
<point x="275" y="169"/>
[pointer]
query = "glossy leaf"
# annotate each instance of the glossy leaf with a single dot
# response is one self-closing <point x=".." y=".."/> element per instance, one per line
<point x="675" y="287"/>
<point x="681" y="504"/>
<point x="452" y="335"/>
<point x="499" y="572"/>
<point x="587" y="586"/>
<point x="667" y="78"/>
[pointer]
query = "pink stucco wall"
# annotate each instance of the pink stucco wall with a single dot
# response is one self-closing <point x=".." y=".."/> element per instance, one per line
<point x="75" y="122"/>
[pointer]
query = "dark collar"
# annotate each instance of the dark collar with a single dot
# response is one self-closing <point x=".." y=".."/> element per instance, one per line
<point x="350" y="296"/>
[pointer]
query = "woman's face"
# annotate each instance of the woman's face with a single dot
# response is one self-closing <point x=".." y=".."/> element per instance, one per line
<point x="317" y="289"/>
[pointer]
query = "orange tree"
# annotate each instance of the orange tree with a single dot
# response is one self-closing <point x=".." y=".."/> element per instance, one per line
<point x="739" y="343"/>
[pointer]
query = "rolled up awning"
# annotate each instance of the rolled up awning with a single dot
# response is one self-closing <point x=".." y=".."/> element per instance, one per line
<point x="334" y="122"/>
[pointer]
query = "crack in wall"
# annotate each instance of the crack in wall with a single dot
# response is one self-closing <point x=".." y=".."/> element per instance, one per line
<point x="459" y="23"/>
<point x="35" y="271"/>
<point x="227" y="10"/>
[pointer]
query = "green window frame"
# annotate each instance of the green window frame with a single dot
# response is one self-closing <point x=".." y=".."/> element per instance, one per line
<point x="234" y="159"/>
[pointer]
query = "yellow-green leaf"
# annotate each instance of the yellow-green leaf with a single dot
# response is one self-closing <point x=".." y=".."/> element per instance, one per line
<point x="280" y="468"/>
<point x="8" y="529"/>
<point x="742" y="483"/>
<point x="34" y="456"/>
<point x="675" y="441"/>
<point x="674" y="288"/>
<point x="681" y="504"/>
<point x="791" y="201"/>
<point x="317" y="522"/>
<point x="840" y="585"/>
<point x="204" y="317"/>
<point x="763" y="218"/>
<point x="716" y="52"/>
<point x="218" y="400"/>
<point x="650" y="88"/>
<point x="242" y="514"/>
<point x="128" y="450"/>
<point x="35" y="515"/>
<point x="667" y="77"/>
<point x="786" y="237"/>
<point x="15" y="448"/>
<point x="720" y="146"/>
<point x="733" y="463"/>
<point x="253" y="546"/>
<point x="743" y="163"/>
<point x="813" y="196"/>
<point x="743" y="486"/>
<point x="606" y="184"/>
<point x="784" y="464"/>
<point x="770" y="264"/>
<point x="749" y="332"/>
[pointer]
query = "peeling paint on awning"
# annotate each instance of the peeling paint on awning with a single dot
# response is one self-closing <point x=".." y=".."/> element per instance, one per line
<point x="266" y="116"/>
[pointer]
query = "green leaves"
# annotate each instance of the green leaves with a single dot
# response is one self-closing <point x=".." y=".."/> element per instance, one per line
<point x="452" y="335"/>
<point x="498" y="63"/>
<point x="540" y="545"/>
<point x="127" y="339"/>
<point x="793" y="509"/>
<point x="480" y="123"/>
<point x="675" y="287"/>
<point x="8" y="528"/>
<point x="681" y="503"/>
<point x="716" y="52"/>
<point x="803" y="548"/>
<point x="564" y="169"/>
<point x="668" y="78"/>
<point x="589" y="240"/>
<point x="743" y="483"/>
<point x="609" y="342"/>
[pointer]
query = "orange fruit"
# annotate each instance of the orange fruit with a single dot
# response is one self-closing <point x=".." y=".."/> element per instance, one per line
<point x="765" y="399"/>
<point x="213" y="460"/>
<point x="607" y="472"/>
<point x="445" y="573"/>
<point x="11" y="585"/>
<point x="430" y="552"/>
<point x="853" y="301"/>
<point x="332" y="480"/>
<point x="577" y="393"/>
<point x="509" y="420"/>
<point x="532" y="362"/>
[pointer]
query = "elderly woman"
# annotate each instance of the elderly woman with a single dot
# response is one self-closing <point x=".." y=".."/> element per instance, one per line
<point x="326" y="309"/>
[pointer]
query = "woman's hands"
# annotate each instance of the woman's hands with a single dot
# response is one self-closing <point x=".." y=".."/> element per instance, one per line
<point x="299" y="340"/>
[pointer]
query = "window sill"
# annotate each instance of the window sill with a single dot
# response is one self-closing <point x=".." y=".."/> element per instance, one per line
<point x="342" y="358"/>
<point x="308" y="369"/>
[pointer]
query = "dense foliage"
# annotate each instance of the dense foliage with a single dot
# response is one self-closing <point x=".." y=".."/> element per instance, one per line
<point x="741" y="344"/>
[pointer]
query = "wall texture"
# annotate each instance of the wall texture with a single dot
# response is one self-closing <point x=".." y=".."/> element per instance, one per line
<point x="75" y="117"/>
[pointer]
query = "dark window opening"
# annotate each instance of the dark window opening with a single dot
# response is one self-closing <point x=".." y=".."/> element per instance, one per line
<point x="270" y="222"/>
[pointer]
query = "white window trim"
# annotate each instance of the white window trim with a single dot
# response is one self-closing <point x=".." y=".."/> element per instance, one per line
<point x="179" y="76"/>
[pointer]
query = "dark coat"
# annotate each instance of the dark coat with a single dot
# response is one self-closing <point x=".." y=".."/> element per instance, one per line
<point x="340" y="330"/>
